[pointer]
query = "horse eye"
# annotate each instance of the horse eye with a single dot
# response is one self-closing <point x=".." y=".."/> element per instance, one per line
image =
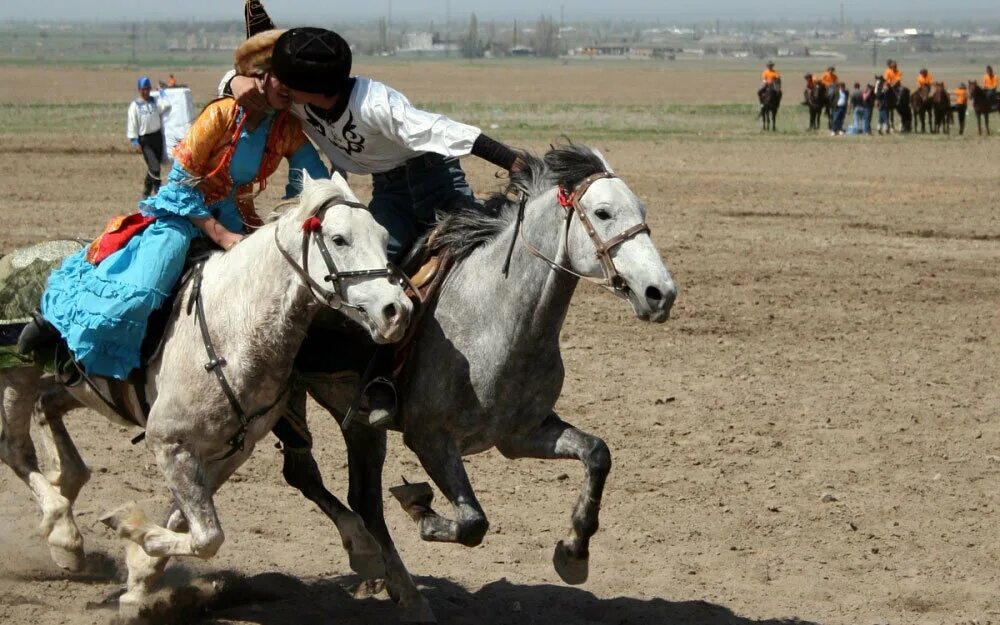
<point x="602" y="214"/>
<point x="339" y="241"/>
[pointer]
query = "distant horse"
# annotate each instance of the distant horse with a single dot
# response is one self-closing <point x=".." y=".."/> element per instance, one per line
<point x="830" y="96"/>
<point x="981" y="105"/>
<point x="897" y="100"/>
<point x="920" y="104"/>
<point x="940" y="106"/>
<point x="770" y="101"/>
<point x="816" y="100"/>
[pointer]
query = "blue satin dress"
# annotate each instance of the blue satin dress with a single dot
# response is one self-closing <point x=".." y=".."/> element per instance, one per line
<point x="102" y="310"/>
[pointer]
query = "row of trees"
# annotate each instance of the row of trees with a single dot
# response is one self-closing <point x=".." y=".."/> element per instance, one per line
<point x="545" y="40"/>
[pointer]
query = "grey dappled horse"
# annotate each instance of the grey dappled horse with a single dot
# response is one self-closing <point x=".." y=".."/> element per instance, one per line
<point x="257" y="301"/>
<point x="485" y="369"/>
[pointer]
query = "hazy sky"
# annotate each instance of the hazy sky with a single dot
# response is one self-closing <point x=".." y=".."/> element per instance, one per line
<point x="329" y="10"/>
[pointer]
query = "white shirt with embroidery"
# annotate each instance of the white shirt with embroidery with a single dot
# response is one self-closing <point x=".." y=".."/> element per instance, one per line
<point x="380" y="130"/>
<point x="144" y="117"/>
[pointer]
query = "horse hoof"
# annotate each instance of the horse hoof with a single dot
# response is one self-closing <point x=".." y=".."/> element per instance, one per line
<point x="571" y="569"/>
<point x="367" y="565"/>
<point x="413" y="495"/>
<point x="132" y="608"/>
<point x="71" y="559"/>
<point x="126" y="521"/>
<point x="417" y="610"/>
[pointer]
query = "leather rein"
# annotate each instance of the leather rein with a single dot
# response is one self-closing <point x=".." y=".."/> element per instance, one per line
<point x="570" y="202"/>
<point x="333" y="297"/>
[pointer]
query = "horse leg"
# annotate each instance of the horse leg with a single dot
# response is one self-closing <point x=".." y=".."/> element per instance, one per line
<point x="301" y="472"/>
<point x="191" y="485"/>
<point x="19" y="390"/>
<point x="366" y="449"/>
<point x="440" y="457"/>
<point x="366" y="457"/>
<point x="70" y="472"/>
<point x="144" y="570"/>
<point x="557" y="439"/>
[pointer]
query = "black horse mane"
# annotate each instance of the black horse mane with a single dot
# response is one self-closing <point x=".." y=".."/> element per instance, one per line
<point x="462" y="231"/>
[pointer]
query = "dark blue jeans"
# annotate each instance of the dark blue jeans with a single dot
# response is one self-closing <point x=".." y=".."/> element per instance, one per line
<point x="405" y="199"/>
<point x="838" y="118"/>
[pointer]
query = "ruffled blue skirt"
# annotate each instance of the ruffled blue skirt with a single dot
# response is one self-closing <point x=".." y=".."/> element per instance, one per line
<point x="102" y="310"/>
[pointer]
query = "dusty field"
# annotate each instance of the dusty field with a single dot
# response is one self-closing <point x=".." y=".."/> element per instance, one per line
<point x="836" y="333"/>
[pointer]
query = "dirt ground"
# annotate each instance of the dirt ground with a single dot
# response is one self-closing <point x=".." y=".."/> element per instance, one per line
<point x="813" y="435"/>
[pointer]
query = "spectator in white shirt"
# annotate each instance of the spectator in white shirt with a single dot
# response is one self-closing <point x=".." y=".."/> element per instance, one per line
<point x="144" y="130"/>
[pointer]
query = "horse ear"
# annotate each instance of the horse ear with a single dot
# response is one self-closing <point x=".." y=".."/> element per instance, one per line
<point x="604" y="161"/>
<point x="345" y="189"/>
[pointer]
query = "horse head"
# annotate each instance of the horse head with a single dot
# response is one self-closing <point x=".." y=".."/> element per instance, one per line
<point x="606" y="237"/>
<point x="339" y="252"/>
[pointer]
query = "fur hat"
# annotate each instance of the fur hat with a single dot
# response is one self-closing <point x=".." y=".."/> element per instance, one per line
<point x="253" y="57"/>
<point x="314" y="60"/>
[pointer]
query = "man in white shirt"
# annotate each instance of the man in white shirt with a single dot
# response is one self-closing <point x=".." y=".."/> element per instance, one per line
<point x="366" y="127"/>
<point x="144" y="129"/>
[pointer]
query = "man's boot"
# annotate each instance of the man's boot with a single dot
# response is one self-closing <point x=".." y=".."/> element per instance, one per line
<point x="37" y="334"/>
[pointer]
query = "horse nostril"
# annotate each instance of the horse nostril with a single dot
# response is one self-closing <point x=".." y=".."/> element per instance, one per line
<point x="391" y="313"/>
<point x="659" y="298"/>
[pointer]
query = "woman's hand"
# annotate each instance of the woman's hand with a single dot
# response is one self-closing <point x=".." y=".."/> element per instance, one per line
<point x="229" y="241"/>
<point x="217" y="232"/>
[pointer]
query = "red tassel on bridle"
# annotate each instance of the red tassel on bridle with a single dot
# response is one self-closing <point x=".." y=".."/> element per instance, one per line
<point x="565" y="198"/>
<point x="312" y="224"/>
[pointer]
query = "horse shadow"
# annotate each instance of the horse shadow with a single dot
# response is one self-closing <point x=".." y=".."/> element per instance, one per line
<point x="280" y="599"/>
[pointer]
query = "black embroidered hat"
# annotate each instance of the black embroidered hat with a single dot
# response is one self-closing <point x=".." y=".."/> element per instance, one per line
<point x="314" y="60"/>
<point x="256" y="18"/>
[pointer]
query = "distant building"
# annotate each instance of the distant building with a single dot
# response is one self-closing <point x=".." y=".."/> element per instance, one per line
<point x="426" y="45"/>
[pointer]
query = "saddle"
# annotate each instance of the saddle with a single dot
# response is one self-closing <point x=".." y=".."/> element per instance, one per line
<point x="126" y="398"/>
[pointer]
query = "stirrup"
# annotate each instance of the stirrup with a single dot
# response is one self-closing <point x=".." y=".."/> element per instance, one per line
<point x="382" y="402"/>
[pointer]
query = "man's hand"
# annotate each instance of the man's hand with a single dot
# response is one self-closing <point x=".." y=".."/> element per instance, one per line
<point x="249" y="92"/>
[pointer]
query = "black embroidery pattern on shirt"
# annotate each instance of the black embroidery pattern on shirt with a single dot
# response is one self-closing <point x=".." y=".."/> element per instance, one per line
<point x="349" y="142"/>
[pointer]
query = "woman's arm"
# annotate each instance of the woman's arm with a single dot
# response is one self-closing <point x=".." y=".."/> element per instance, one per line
<point x="214" y="230"/>
<point x="304" y="159"/>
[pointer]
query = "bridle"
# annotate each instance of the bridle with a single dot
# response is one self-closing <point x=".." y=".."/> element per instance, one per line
<point x="570" y="201"/>
<point x="334" y="297"/>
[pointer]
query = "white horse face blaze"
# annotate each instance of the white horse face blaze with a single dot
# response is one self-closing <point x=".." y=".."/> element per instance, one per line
<point x="358" y="243"/>
<point x="612" y="208"/>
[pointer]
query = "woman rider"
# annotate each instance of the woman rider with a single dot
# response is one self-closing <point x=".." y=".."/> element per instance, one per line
<point x="100" y="299"/>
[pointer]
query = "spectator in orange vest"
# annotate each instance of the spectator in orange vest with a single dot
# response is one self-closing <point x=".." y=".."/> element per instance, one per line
<point x="171" y="82"/>
<point x="892" y="75"/>
<point x="925" y="79"/>
<point x="961" y="104"/>
<point x="829" y="77"/>
<point x="768" y="76"/>
<point x="990" y="85"/>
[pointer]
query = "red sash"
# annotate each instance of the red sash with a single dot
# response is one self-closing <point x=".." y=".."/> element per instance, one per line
<point x="116" y="235"/>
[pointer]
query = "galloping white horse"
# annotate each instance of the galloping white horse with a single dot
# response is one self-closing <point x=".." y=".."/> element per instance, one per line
<point x="256" y="302"/>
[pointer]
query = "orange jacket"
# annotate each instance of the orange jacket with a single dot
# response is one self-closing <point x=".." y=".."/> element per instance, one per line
<point x="892" y="76"/>
<point x="989" y="82"/>
<point x="769" y="76"/>
<point x="961" y="96"/>
<point x="925" y="81"/>
<point x="208" y="148"/>
<point x="829" y="79"/>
